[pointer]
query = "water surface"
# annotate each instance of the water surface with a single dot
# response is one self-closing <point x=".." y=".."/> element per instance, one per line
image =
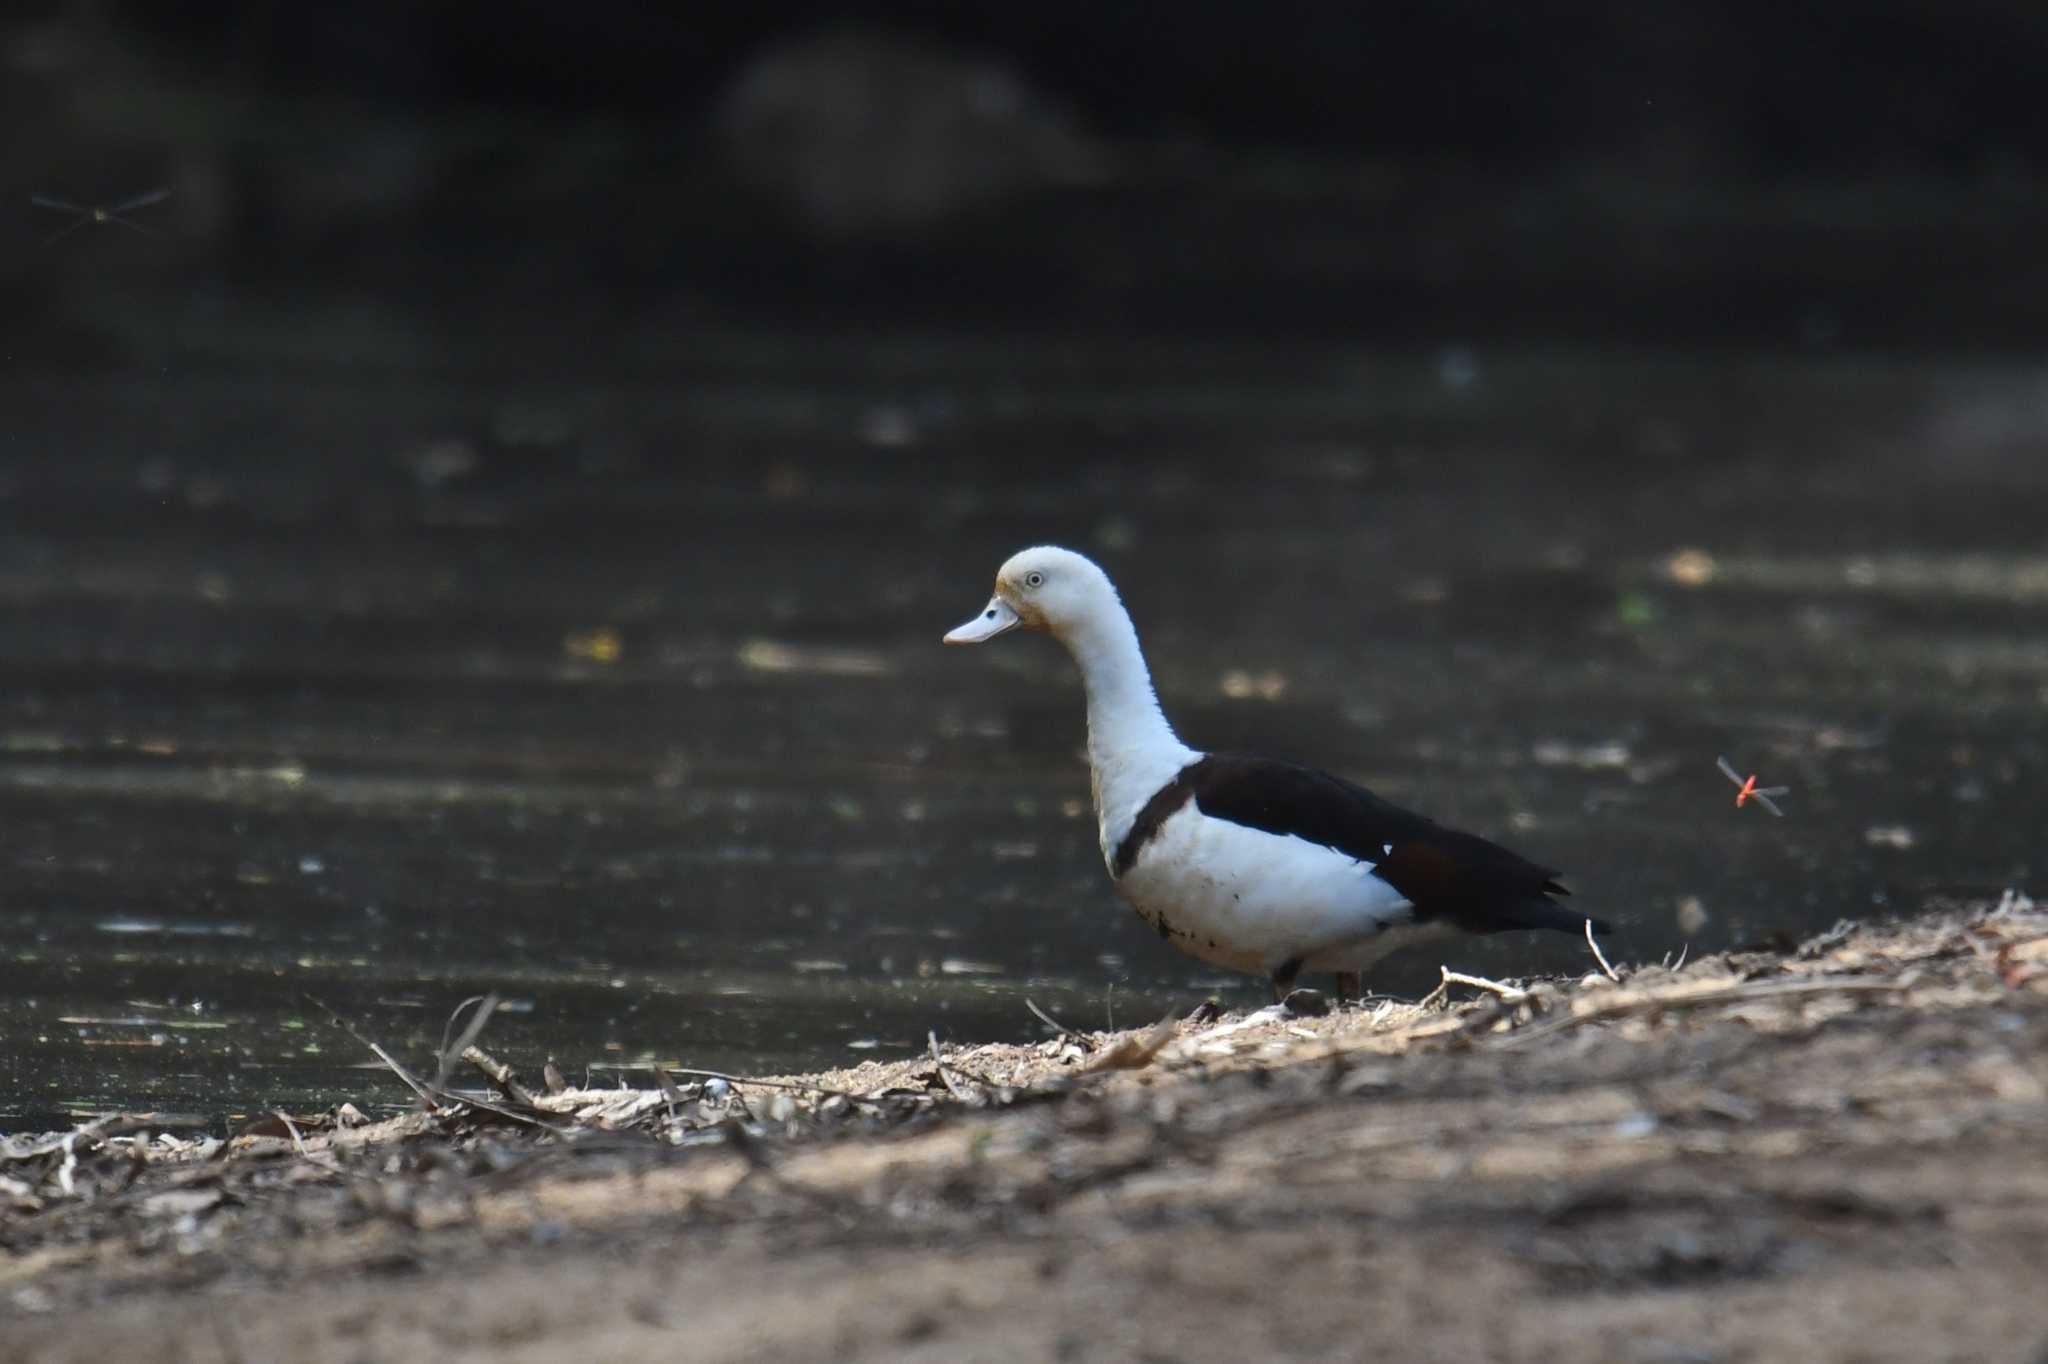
<point x="626" y="701"/>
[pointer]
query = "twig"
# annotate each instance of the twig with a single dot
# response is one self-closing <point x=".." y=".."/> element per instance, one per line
<point x="951" y="1088"/>
<point x="292" y="1129"/>
<point x="800" y="1086"/>
<point x="64" y="1180"/>
<point x="1513" y="994"/>
<point x="1600" y="956"/>
<point x="509" y="1114"/>
<point x="991" y="1085"/>
<point x="1082" y="1040"/>
<point x="319" y="1158"/>
<point x="35" y="1148"/>
<point x="671" y="1093"/>
<point x="500" y="1075"/>
<point x="1135" y="1052"/>
<point x="412" y="1082"/>
<point x="436" y="1099"/>
<point x="485" y="1006"/>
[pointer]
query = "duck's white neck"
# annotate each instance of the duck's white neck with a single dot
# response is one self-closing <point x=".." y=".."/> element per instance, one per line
<point x="1132" y="751"/>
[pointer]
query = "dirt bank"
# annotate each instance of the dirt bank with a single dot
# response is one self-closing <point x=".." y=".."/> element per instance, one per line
<point x="1831" y="1153"/>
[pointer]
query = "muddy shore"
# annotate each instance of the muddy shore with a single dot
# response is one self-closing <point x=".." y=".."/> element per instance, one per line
<point x="1831" y="1152"/>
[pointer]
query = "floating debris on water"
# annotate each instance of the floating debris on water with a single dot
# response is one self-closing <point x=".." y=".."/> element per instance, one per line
<point x="1239" y="685"/>
<point x="889" y="427"/>
<point x="174" y="928"/>
<point x="770" y="656"/>
<point x="1690" y="567"/>
<point x="601" y="645"/>
<point x="1563" y="753"/>
<point x="1636" y="609"/>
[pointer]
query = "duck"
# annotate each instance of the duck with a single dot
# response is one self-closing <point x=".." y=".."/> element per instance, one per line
<point x="1252" y="864"/>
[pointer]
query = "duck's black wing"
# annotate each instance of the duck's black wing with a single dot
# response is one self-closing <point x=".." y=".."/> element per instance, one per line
<point x="1448" y="875"/>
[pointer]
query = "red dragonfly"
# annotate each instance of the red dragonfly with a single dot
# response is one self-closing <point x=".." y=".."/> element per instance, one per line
<point x="1749" y="790"/>
<point x="88" y="213"/>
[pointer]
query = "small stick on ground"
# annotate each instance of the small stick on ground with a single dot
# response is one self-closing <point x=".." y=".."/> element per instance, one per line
<point x="993" y="1086"/>
<point x="436" y="1100"/>
<point x="951" y="1088"/>
<point x="322" y="1159"/>
<point x="486" y="1005"/>
<point x="292" y="1129"/>
<point x="64" y="1180"/>
<point x="1600" y="956"/>
<point x="1513" y="994"/>
<point x="1081" y="1040"/>
<point x="671" y="1092"/>
<point x="798" y="1085"/>
<point x="1136" y="1052"/>
<point x="500" y="1075"/>
<point x="412" y="1082"/>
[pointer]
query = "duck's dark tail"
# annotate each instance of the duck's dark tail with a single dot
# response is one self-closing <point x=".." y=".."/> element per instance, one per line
<point x="1540" y="911"/>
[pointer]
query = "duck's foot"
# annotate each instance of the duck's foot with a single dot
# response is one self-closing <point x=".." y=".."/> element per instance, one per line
<point x="1208" y="1011"/>
<point x="1305" y="1003"/>
<point x="1350" y="986"/>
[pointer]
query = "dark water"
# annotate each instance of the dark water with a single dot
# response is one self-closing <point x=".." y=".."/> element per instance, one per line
<point x="626" y="700"/>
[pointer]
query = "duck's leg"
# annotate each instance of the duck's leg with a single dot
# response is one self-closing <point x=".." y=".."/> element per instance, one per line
<point x="1350" y="985"/>
<point x="1283" y="978"/>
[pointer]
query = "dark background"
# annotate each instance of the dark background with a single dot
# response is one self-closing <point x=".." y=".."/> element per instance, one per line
<point x="602" y="177"/>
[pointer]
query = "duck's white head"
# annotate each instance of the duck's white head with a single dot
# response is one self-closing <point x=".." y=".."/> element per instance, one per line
<point x="1046" y="588"/>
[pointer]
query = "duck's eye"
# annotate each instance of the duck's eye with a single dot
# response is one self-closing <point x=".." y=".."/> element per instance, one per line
<point x="1034" y="579"/>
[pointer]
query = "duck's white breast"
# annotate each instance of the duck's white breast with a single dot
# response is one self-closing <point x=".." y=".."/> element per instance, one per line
<point x="1249" y="900"/>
